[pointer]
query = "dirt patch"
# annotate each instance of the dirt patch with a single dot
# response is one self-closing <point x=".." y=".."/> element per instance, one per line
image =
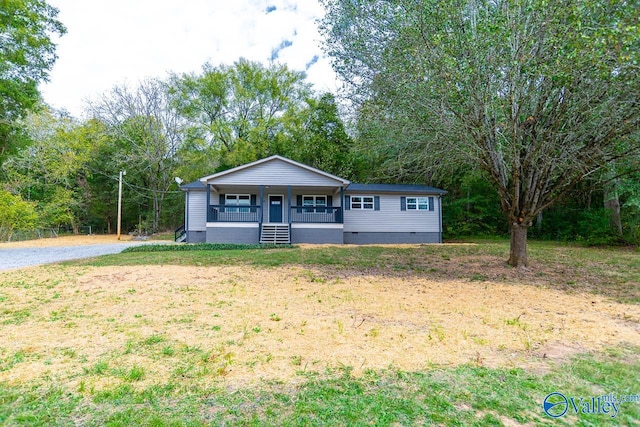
<point x="242" y="324"/>
<point x="94" y="239"/>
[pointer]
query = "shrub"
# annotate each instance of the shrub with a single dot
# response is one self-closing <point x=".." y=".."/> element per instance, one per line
<point x="15" y="214"/>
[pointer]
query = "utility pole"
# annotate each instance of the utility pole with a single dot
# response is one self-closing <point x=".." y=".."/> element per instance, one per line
<point x="120" y="201"/>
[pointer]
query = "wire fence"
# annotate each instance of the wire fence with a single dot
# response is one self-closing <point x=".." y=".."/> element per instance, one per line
<point x="10" y="235"/>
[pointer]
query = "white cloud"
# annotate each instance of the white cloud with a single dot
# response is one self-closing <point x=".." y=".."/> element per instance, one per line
<point x="110" y="42"/>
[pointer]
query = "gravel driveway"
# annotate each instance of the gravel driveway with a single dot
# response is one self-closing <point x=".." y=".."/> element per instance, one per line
<point x="27" y="257"/>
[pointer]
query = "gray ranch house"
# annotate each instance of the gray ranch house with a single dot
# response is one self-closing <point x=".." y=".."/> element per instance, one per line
<point x="278" y="200"/>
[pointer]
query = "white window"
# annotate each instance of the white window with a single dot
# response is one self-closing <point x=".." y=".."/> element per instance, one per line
<point x="312" y="203"/>
<point x="314" y="200"/>
<point x="417" y="203"/>
<point x="362" y="202"/>
<point x="237" y="200"/>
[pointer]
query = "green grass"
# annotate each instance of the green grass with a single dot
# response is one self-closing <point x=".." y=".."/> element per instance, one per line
<point x="466" y="395"/>
<point x="168" y="235"/>
<point x="202" y="247"/>
<point x="613" y="272"/>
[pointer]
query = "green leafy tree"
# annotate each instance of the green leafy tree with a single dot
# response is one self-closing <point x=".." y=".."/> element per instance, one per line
<point x="601" y="210"/>
<point x="52" y="170"/>
<point x="538" y="94"/>
<point x="60" y="209"/>
<point x="238" y="113"/>
<point x="472" y="206"/>
<point x="319" y="138"/>
<point x="27" y="53"/>
<point x="103" y="166"/>
<point x="15" y="214"/>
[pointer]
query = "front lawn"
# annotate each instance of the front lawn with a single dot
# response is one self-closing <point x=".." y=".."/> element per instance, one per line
<point x="320" y="335"/>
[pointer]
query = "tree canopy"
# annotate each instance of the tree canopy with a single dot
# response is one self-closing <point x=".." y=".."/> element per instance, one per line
<point x="157" y="130"/>
<point x="147" y="134"/>
<point x="27" y="54"/>
<point x="515" y="107"/>
<point x="538" y="94"/>
<point x="238" y="113"/>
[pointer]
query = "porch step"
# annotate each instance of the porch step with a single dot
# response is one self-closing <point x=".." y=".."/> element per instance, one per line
<point x="180" y="234"/>
<point x="275" y="234"/>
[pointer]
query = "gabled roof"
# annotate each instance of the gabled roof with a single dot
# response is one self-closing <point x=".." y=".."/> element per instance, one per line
<point x="270" y="159"/>
<point x="395" y="188"/>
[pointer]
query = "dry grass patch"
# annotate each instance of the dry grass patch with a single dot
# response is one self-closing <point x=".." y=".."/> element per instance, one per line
<point x="94" y="327"/>
<point x="79" y="240"/>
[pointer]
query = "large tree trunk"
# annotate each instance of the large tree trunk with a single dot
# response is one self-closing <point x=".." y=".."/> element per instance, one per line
<point x="156" y="212"/>
<point x="518" y="247"/>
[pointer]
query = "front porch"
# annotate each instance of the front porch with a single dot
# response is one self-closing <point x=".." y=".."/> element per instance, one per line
<point x="274" y="215"/>
<point x="296" y="214"/>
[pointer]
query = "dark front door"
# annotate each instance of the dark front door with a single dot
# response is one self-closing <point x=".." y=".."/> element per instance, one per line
<point x="275" y="208"/>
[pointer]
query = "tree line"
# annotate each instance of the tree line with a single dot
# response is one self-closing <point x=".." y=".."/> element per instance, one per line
<point x="540" y="97"/>
<point x="185" y="126"/>
<point x="526" y="112"/>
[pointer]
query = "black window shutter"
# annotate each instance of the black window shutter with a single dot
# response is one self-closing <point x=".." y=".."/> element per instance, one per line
<point x="347" y="203"/>
<point x="253" y="202"/>
<point x="431" y="207"/>
<point x="376" y="203"/>
<point x="403" y="203"/>
<point x="330" y="201"/>
<point x="221" y="202"/>
<point x="299" y="203"/>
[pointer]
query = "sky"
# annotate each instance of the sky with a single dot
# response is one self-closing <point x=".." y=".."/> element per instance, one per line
<point x="113" y="42"/>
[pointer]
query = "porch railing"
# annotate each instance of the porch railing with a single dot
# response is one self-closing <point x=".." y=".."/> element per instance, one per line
<point x="298" y="214"/>
<point x="179" y="234"/>
<point x="316" y="214"/>
<point x="226" y="213"/>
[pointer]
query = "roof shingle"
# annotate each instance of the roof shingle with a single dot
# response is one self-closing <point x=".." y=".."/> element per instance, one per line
<point x="395" y="188"/>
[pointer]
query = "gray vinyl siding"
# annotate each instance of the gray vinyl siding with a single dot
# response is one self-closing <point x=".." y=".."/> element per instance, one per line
<point x="390" y="218"/>
<point x="197" y="211"/>
<point x="276" y="172"/>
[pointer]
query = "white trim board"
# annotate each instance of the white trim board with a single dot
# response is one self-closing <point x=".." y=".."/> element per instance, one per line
<point x="232" y="225"/>
<point x="316" y="225"/>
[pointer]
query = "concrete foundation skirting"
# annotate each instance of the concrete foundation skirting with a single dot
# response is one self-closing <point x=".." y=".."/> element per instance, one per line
<point x="232" y="235"/>
<point x="363" y="238"/>
<point x="312" y="235"/>
<point x="196" y="236"/>
<point x="317" y="235"/>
